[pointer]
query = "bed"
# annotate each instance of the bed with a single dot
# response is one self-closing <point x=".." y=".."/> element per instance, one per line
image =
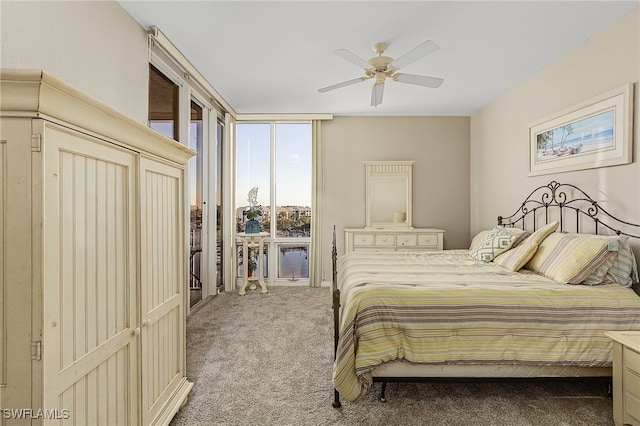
<point x="531" y="297"/>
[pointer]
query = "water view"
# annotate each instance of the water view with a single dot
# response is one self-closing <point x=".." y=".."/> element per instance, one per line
<point x="293" y="262"/>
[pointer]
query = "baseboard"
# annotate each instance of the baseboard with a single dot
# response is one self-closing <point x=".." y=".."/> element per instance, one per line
<point x="177" y="401"/>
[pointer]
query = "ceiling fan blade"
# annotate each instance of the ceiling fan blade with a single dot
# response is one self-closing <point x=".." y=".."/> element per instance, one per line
<point x="356" y="60"/>
<point x="418" y="80"/>
<point x="376" y="94"/>
<point x="343" y="84"/>
<point x="413" y="55"/>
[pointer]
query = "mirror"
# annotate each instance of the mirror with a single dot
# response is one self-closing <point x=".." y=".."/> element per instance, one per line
<point x="388" y="194"/>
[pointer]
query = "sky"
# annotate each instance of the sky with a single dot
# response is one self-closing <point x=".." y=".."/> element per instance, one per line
<point x="292" y="163"/>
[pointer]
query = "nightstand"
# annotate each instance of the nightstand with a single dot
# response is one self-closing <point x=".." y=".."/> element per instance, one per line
<point x="626" y="377"/>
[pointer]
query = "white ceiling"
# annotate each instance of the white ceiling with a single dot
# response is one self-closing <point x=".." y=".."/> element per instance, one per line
<point x="271" y="57"/>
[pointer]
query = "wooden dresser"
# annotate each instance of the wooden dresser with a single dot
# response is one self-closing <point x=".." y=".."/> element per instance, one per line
<point x="626" y="377"/>
<point x="392" y="239"/>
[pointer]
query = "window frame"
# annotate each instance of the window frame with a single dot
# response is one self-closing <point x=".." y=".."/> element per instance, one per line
<point x="273" y="242"/>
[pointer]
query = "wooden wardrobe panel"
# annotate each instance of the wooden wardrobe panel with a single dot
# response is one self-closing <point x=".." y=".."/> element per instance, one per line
<point x="90" y="263"/>
<point x="163" y="259"/>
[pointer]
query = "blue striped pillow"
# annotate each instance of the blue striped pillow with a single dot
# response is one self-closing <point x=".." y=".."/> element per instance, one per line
<point x="621" y="268"/>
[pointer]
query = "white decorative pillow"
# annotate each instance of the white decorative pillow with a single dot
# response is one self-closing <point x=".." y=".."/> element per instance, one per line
<point x="480" y="236"/>
<point x="494" y="243"/>
<point x="520" y="234"/>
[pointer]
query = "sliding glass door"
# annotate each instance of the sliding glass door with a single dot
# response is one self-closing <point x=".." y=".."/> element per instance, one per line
<point x="195" y="179"/>
<point x="181" y="108"/>
<point x="218" y="173"/>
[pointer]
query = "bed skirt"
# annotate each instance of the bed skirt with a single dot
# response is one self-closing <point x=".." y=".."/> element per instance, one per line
<point x="398" y="369"/>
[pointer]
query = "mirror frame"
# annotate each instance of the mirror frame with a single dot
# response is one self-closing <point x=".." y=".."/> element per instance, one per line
<point x="391" y="169"/>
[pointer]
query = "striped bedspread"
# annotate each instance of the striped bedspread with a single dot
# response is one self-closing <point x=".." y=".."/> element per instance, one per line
<point x="444" y="307"/>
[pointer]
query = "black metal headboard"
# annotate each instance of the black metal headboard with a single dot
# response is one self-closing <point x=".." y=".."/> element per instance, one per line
<point x="569" y="205"/>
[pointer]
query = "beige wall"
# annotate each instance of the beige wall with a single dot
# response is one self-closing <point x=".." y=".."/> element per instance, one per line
<point x="94" y="46"/>
<point x="499" y="132"/>
<point x="438" y="145"/>
<point x="467" y="170"/>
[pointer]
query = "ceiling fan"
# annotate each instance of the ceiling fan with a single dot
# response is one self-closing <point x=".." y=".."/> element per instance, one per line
<point x="380" y="67"/>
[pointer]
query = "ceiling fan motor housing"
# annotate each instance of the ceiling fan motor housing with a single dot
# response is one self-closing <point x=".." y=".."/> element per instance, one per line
<point x="380" y="64"/>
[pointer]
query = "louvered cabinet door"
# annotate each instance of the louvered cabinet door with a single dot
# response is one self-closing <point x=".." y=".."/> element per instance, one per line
<point x="162" y="290"/>
<point x="90" y="343"/>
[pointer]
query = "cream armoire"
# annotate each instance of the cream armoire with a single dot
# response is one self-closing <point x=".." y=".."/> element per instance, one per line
<point x="93" y="256"/>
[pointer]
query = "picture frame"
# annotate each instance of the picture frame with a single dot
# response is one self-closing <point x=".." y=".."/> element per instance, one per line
<point x="594" y="133"/>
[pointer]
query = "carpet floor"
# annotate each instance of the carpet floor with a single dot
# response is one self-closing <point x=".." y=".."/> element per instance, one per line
<point x="266" y="359"/>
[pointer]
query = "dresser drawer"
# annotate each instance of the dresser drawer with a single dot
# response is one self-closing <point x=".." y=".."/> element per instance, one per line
<point x="385" y="240"/>
<point x="363" y="240"/>
<point x="631" y="382"/>
<point x="428" y="240"/>
<point x="408" y="240"/>
<point x="392" y="239"/>
<point x="626" y="377"/>
<point x="632" y="406"/>
<point x="631" y="361"/>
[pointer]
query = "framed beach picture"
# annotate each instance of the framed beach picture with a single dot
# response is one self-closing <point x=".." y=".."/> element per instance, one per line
<point x="595" y="133"/>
